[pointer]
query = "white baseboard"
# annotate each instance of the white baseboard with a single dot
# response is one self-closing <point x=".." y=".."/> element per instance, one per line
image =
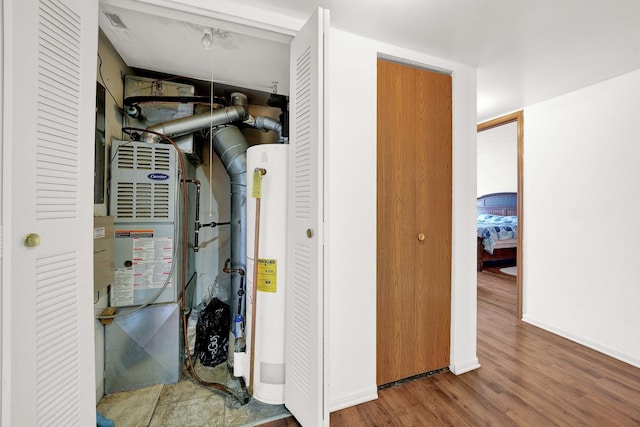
<point x="460" y="368"/>
<point x="353" y="399"/>
<point x="631" y="360"/>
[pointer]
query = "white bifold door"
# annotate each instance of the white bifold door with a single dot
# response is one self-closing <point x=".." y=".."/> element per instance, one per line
<point x="305" y="394"/>
<point x="48" y="113"/>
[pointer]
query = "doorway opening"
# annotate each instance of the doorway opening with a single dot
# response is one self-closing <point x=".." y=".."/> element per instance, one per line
<point x="517" y="118"/>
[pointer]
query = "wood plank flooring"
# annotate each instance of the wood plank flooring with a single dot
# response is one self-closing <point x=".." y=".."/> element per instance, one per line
<point x="529" y="377"/>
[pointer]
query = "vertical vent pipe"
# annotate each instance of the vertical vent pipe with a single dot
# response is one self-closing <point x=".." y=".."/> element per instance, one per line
<point x="231" y="147"/>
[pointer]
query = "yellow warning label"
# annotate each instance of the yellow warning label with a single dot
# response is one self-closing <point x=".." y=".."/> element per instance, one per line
<point x="257" y="184"/>
<point x="267" y="269"/>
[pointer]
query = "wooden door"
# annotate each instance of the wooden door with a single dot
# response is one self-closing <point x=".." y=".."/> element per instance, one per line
<point x="414" y="221"/>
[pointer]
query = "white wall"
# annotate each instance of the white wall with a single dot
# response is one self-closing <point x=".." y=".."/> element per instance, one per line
<point x="350" y="195"/>
<point x="1" y="197"/>
<point x="215" y="206"/>
<point x="498" y="159"/>
<point x="582" y="161"/>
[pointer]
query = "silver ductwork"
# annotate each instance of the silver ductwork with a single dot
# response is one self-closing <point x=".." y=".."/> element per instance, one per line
<point x="190" y="124"/>
<point x="231" y="147"/>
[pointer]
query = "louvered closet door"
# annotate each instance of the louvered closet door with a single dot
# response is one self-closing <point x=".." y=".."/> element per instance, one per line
<point x="47" y="289"/>
<point x="304" y="387"/>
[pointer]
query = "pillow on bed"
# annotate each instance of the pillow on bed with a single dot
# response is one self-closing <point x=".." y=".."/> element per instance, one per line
<point x="497" y="219"/>
<point x="485" y="217"/>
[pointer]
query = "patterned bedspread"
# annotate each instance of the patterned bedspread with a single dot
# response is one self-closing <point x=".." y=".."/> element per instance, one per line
<point x="494" y="227"/>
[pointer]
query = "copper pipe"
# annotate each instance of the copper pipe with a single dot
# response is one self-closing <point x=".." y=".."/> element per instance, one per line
<point x="254" y="291"/>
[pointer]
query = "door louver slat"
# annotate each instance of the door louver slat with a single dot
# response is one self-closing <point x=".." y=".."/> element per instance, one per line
<point x="57" y="184"/>
<point x="56" y="339"/>
<point x="57" y="119"/>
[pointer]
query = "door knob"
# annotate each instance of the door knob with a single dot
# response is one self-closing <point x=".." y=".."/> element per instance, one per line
<point x="32" y="240"/>
<point x="309" y="233"/>
<point x="421" y="236"/>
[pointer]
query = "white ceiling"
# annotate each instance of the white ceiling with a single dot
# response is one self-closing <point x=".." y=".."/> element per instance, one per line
<point x="525" y="51"/>
<point x="161" y="40"/>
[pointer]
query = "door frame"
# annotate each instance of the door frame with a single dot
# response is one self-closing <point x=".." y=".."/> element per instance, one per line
<point x="517" y="117"/>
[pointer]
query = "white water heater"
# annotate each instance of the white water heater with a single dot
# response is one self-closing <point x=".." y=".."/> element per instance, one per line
<point x="269" y="375"/>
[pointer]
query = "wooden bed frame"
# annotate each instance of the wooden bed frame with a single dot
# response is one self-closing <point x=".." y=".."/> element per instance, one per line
<point x="505" y="204"/>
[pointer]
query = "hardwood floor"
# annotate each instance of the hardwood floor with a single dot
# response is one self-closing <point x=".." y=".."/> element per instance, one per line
<point x="529" y="377"/>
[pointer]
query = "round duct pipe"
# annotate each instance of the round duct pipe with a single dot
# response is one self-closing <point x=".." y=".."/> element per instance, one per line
<point x="231" y="147"/>
<point x="185" y="125"/>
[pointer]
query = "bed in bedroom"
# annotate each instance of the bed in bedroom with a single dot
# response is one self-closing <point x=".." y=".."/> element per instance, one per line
<point x="497" y="228"/>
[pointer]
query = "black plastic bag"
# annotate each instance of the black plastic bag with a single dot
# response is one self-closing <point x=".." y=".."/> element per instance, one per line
<point x="212" y="333"/>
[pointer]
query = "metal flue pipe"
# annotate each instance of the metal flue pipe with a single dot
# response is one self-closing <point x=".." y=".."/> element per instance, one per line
<point x="267" y="123"/>
<point x="231" y="146"/>
<point x="186" y="125"/>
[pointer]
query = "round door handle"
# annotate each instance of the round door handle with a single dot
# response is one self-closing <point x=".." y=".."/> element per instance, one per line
<point x="309" y="233"/>
<point x="32" y="240"/>
<point x="421" y="236"/>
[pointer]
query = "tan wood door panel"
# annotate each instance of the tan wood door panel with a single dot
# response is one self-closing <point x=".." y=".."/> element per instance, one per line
<point x="414" y="200"/>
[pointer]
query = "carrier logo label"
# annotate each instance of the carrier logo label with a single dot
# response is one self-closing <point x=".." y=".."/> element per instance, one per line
<point x="158" y="176"/>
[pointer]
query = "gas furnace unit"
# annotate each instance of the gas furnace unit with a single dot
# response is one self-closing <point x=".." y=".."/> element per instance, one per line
<point x="144" y="192"/>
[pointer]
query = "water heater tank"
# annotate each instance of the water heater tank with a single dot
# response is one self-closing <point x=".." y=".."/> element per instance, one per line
<point x="269" y="375"/>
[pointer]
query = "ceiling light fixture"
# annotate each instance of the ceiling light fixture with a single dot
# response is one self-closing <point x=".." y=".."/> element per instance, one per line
<point x="207" y="39"/>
